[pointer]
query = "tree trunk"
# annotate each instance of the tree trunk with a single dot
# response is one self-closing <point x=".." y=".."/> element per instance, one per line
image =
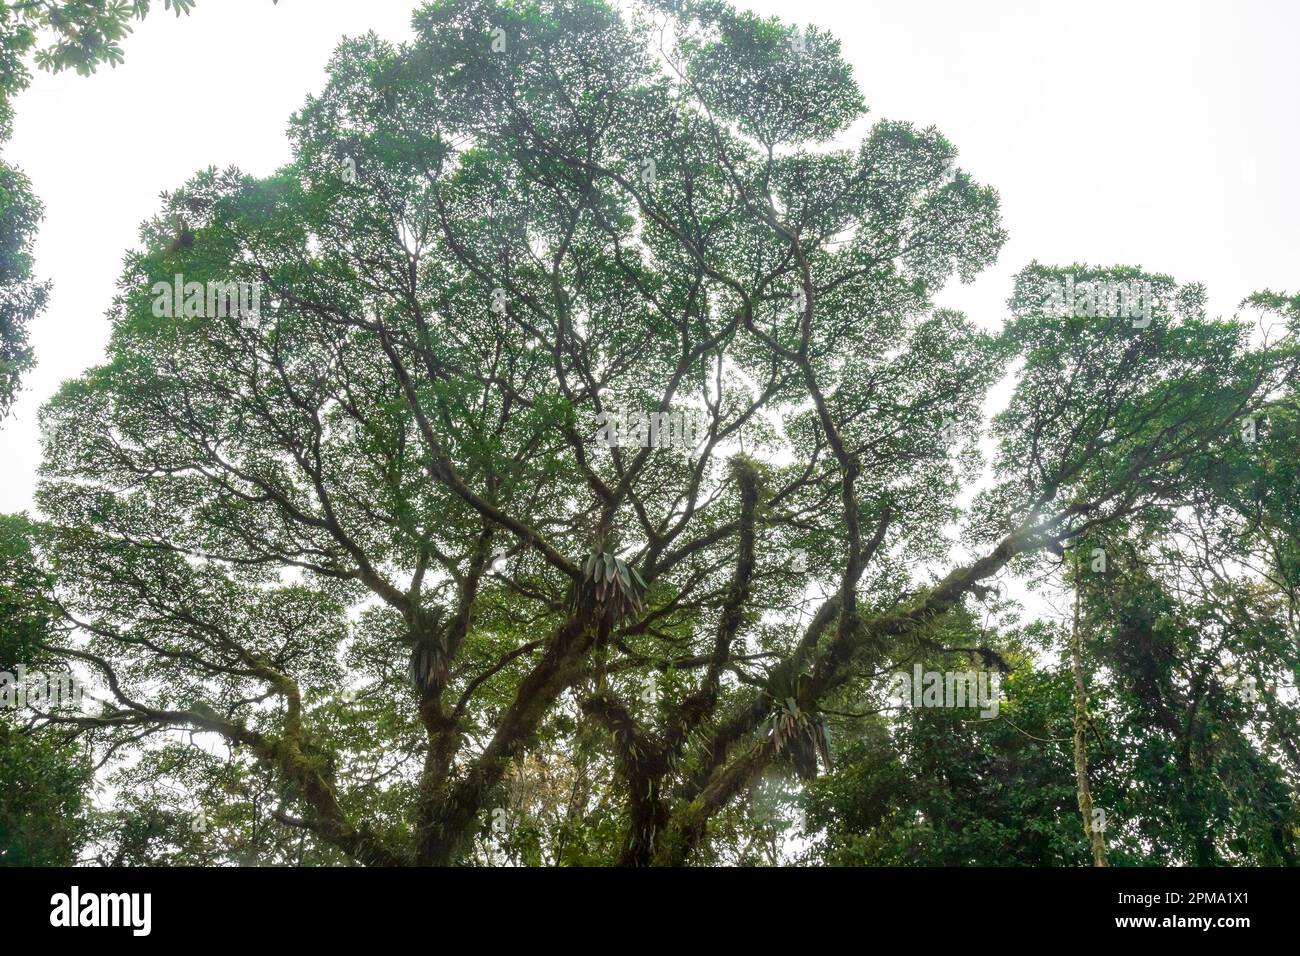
<point x="1093" y="829"/>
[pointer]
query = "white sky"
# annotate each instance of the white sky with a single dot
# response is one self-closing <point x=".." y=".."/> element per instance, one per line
<point x="1158" y="134"/>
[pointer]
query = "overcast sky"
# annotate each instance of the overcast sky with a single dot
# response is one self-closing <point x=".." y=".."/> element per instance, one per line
<point x="1159" y="134"/>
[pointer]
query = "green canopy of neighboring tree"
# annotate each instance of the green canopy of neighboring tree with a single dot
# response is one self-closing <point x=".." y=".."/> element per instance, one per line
<point x="21" y="298"/>
<point x="44" y="813"/>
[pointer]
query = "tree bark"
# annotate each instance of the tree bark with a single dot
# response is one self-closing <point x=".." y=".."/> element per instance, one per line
<point x="1094" y="833"/>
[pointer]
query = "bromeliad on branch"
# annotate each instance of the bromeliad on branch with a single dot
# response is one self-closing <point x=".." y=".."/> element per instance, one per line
<point x="611" y="590"/>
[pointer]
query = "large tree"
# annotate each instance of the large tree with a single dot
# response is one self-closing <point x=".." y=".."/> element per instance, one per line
<point x="367" y="547"/>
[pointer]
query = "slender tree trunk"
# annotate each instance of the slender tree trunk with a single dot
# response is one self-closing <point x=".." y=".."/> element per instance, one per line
<point x="1093" y="829"/>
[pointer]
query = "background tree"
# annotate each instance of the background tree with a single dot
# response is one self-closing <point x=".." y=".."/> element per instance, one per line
<point x="1195" y="626"/>
<point x="945" y="787"/>
<point x="357" y="571"/>
<point x="44" y="803"/>
<point x="21" y="297"/>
